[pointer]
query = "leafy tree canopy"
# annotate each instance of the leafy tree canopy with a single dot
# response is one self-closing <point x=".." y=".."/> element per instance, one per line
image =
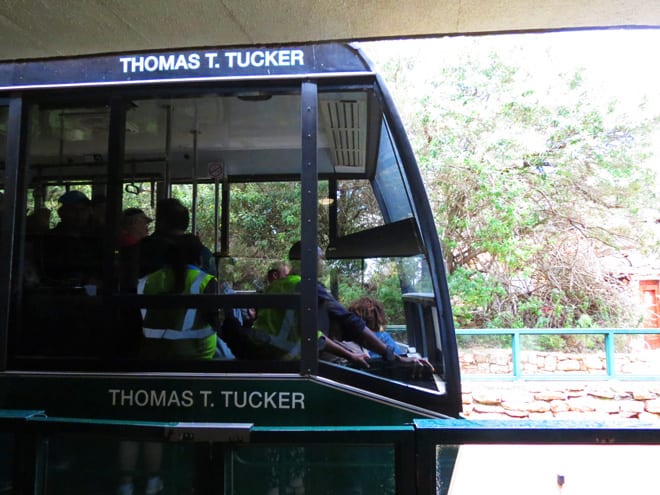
<point x="537" y="178"/>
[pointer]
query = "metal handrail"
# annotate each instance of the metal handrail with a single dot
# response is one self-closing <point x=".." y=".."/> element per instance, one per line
<point x="516" y="333"/>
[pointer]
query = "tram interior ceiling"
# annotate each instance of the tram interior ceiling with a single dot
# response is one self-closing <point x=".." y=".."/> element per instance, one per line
<point x="188" y="134"/>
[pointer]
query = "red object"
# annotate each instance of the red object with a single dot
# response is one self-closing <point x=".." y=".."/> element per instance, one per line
<point x="652" y="341"/>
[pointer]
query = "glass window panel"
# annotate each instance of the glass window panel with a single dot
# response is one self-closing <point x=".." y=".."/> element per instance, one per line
<point x="83" y="464"/>
<point x="357" y="208"/>
<point x="403" y="287"/>
<point x="264" y="221"/>
<point x="322" y="470"/>
<point x="176" y="139"/>
<point x="63" y="264"/>
<point x="390" y="180"/>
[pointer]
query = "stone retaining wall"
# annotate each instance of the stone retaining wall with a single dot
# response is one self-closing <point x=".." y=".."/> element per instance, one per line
<point x="599" y="400"/>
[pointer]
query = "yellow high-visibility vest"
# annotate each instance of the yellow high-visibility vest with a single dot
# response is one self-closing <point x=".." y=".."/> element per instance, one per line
<point x="177" y="332"/>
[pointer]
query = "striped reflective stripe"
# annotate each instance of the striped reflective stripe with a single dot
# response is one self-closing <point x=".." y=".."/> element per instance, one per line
<point x="141" y="283"/>
<point x="140" y="290"/>
<point x="263" y="337"/>
<point x="171" y="334"/>
<point x="281" y="340"/>
<point x="187" y="331"/>
<point x="191" y="313"/>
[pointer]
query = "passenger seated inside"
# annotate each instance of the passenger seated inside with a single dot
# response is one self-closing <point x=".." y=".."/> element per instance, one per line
<point x="97" y="209"/>
<point x="38" y="222"/>
<point x="372" y="312"/>
<point x="68" y="255"/>
<point x="275" y="333"/>
<point x="280" y="270"/>
<point x="172" y="220"/>
<point x="133" y="226"/>
<point x="245" y="316"/>
<point x="181" y="333"/>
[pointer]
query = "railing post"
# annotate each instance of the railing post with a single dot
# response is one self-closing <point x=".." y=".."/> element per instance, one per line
<point x="515" y="354"/>
<point x="609" y="354"/>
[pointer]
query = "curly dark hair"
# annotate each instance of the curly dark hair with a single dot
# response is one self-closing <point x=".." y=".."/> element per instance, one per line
<point x="371" y="311"/>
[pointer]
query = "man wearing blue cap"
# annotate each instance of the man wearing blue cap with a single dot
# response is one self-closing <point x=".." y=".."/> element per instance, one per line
<point x="72" y="256"/>
<point x="74" y="213"/>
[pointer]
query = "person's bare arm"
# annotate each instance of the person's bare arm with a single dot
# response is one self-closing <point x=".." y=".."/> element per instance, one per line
<point x="373" y="343"/>
<point x="358" y="358"/>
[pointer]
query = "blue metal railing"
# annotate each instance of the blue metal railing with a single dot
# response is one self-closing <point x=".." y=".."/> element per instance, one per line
<point x="610" y="349"/>
<point x="516" y="333"/>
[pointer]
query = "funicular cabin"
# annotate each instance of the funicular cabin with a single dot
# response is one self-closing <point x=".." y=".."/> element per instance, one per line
<point x="264" y="147"/>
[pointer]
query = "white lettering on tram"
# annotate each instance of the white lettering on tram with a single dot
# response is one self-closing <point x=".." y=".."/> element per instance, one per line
<point x="158" y="63"/>
<point x="151" y="398"/>
<point x="265" y="58"/>
<point x="193" y="61"/>
<point x="263" y="400"/>
<point x="229" y="399"/>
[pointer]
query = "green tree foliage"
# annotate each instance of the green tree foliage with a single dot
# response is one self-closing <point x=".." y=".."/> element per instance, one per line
<point x="265" y="219"/>
<point x="533" y="183"/>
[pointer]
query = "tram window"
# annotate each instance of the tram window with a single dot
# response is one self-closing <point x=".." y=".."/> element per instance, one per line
<point x="388" y="280"/>
<point x="202" y="220"/>
<point x="139" y="194"/>
<point x="390" y="182"/>
<point x="199" y="139"/>
<point x="264" y="218"/>
<point x="195" y="149"/>
<point x="357" y="208"/>
<point x="264" y="221"/>
<point x="84" y="463"/>
<point x="67" y="150"/>
<point x="322" y="469"/>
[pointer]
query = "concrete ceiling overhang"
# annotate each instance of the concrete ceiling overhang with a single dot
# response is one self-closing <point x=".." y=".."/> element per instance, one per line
<point x="52" y="28"/>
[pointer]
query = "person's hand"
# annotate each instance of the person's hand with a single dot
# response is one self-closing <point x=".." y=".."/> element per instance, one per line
<point x="417" y="364"/>
<point x="360" y="359"/>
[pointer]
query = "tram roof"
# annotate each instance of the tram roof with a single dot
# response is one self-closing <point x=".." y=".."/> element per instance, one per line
<point x="205" y="64"/>
<point x="59" y="28"/>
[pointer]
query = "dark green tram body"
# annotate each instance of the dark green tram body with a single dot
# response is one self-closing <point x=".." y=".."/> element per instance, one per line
<point x="316" y="119"/>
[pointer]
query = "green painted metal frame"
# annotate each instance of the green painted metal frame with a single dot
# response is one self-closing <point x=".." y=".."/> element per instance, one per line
<point x="415" y="445"/>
